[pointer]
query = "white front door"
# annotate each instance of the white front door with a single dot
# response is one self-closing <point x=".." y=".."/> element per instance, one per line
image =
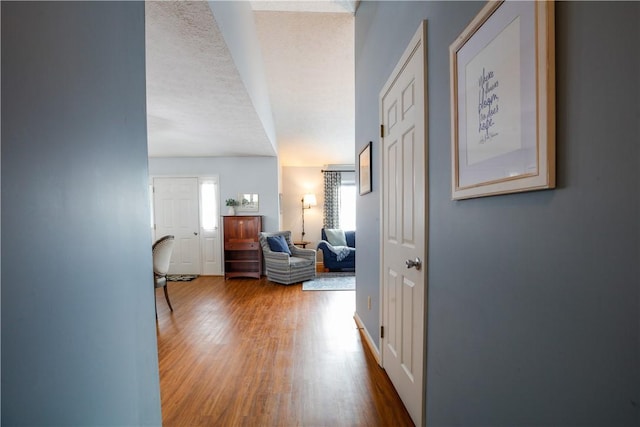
<point x="176" y="212"/>
<point x="404" y="226"/>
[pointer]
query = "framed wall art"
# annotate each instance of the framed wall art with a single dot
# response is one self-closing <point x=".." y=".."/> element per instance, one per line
<point x="503" y="101"/>
<point x="365" y="170"/>
<point x="248" y="202"/>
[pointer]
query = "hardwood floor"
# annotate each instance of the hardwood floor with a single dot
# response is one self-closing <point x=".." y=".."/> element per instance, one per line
<point x="254" y="353"/>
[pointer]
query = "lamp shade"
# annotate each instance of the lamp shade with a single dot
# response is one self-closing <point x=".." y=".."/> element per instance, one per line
<point x="309" y="200"/>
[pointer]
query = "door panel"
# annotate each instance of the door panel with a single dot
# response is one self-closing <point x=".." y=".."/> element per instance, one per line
<point x="211" y="256"/>
<point x="176" y="207"/>
<point x="404" y="225"/>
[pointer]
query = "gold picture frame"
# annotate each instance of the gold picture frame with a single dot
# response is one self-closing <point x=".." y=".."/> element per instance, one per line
<point x="503" y="101"/>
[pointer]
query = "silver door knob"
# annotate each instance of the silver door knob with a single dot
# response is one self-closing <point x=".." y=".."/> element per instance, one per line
<point x="417" y="263"/>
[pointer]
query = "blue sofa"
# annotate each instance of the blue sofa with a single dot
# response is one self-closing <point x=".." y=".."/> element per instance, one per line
<point x="330" y="257"/>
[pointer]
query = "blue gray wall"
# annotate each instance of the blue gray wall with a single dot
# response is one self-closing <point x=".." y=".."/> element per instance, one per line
<point x="533" y="302"/>
<point x="237" y="175"/>
<point x="78" y="325"/>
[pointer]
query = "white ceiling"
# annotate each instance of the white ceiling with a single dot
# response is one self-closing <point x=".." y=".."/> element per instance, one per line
<point x="197" y="101"/>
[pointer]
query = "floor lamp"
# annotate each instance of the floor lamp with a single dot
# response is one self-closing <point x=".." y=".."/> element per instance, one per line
<point x="308" y="200"/>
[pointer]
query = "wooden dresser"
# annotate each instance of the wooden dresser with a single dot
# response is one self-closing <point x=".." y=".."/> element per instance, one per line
<point x="242" y="252"/>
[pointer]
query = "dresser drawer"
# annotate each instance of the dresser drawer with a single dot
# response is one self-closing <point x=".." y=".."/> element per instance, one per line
<point x="240" y="246"/>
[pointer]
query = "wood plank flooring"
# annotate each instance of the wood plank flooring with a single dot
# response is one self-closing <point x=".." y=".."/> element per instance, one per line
<point x="253" y="353"/>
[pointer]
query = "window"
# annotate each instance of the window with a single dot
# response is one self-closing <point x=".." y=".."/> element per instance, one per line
<point x="339" y="199"/>
<point x="348" y="206"/>
<point x="208" y="205"/>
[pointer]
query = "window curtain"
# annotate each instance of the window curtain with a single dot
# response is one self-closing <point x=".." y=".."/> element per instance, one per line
<point x="331" y="210"/>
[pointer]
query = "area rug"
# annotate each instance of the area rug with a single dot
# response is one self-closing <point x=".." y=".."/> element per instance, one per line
<point x="331" y="282"/>
<point x="181" y="277"/>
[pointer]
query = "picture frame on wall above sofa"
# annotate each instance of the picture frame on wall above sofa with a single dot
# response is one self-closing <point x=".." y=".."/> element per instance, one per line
<point x="364" y="170"/>
<point x="503" y="101"/>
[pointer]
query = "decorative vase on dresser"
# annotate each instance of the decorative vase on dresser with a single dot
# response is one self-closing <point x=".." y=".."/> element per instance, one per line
<point x="242" y="252"/>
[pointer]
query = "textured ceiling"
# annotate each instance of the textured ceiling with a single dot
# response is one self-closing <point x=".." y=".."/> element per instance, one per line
<point x="310" y="73"/>
<point x="198" y="104"/>
<point x="328" y="6"/>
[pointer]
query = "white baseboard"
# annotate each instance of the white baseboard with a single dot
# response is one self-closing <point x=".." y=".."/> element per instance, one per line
<point x="367" y="339"/>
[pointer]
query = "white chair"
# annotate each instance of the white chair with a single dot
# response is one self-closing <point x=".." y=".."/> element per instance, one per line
<point x="162" y="250"/>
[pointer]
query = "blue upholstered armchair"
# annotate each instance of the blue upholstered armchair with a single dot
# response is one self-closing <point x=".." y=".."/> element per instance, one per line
<point x="338" y="254"/>
<point x="286" y="263"/>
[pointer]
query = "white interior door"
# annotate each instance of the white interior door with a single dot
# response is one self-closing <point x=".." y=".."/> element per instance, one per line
<point x="176" y="212"/>
<point x="404" y="225"/>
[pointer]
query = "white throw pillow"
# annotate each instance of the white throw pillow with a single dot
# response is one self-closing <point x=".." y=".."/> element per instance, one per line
<point x="335" y="237"/>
